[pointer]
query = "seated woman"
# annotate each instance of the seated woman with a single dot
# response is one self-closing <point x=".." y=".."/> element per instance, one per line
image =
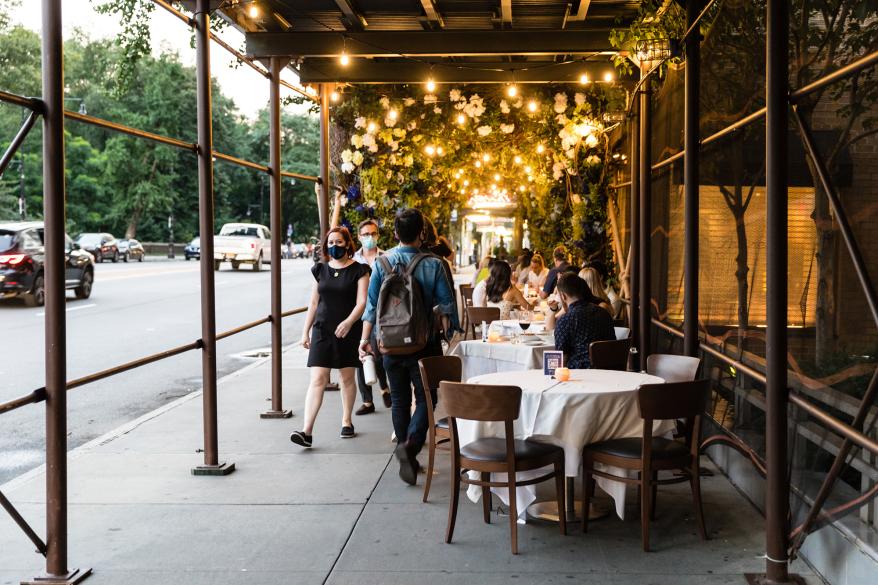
<point x="536" y="275"/>
<point x="497" y="291"/>
<point x="580" y="324"/>
<point x="593" y="279"/>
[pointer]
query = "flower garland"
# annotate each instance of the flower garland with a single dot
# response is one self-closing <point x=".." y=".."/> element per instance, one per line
<point x="548" y="153"/>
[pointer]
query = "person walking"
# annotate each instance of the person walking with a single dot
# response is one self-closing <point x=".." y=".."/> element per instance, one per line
<point x="437" y="301"/>
<point x="368" y="234"/>
<point x="332" y="328"/>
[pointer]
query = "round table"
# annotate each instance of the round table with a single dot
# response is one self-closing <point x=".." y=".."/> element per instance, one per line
<point x="593" y="406"/>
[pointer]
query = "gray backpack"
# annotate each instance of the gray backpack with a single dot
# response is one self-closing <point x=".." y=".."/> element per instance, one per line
<point x="403" y="320"/>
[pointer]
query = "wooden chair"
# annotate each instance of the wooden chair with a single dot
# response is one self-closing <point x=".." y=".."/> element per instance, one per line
<point x="495" y="455"/>
<point x="476" y="315"/>
<point x="466" y="300"/>
<point x="435" y="370"/>
<point x="672" y="368"/>
<point x="648" y="455"/>
<point x="609" y="355"/>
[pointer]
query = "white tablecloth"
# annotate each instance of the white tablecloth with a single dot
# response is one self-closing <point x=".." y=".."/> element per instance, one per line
<point x="593" y="406"/>
<point x="489" y="357"/>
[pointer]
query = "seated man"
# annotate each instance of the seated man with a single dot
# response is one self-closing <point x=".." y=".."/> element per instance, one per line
<point x="581" y="322"/>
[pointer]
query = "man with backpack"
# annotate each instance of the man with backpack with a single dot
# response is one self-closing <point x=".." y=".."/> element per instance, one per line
<point x="408" y="293"/>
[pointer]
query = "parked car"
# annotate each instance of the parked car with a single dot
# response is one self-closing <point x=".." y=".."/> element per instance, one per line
<point x="242" y="243"/>
<point x="22" y="254"/>
<point x="131" y="249"/>
<point x="101" y="246"/>
<point x="193" y="249"/>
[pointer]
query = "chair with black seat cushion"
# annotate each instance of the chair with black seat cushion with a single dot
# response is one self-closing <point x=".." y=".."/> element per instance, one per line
<point x="478" y="314"/>
<point x="672" y="368"/>
<point x="648" y="454"/>
<point x="609" y="355"/>
<point x="506" y="455"/>
<point x="435" y="370"/>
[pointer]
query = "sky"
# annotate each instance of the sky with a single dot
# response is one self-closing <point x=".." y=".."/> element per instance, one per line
<point x="248" y="89"/>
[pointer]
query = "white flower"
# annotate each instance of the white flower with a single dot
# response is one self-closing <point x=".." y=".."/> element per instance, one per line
<point x="347" y="167"/>
<point x="518" y="103"/>
<point x="454" y="95"/>
<point x="558" y="170"/>
<point x="343" y="200"/>
<point x="360" y="122"/>
<point x="394" y="145"/>
<point x="346" y="155"/>
<point x="483" y="130"/>
<point x="579" y="98"/>
<point x="591" y="141"/>
<point x="569" y="153"/>
<point x="560" y="102"/>
<point x="430" y="99"/>
<point x="504" y="107"/>
<point x="461" y="105"/>
<point x="385" y="102"/>
<point x="593" y="160"/>
<point x="437" y="110"/>
<point x="373" y="148"/>
<point x="357" y="141"/>
<point x="369" y="142"/>
<point x="507" y="128"/>
<point x="390" y="122"/>
<point x="408" y="102"/>
<point x="357" y="158"/>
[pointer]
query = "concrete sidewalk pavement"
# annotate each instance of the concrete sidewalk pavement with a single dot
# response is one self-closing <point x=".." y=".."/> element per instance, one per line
<point x="335" y="514"/>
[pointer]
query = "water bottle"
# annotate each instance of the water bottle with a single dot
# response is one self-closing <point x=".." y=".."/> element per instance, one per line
<point x="485" y="331"/>
<point x="369" y="373"/>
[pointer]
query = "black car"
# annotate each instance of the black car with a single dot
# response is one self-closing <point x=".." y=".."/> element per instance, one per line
<point x="193" y="250"/>
<point x="21" y="264"/>
<point x="101" y="246"/>
<point x="131" y="249"/>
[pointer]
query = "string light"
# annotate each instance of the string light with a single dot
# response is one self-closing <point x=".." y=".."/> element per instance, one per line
<point x="430" y="150"/>
<point x="253" y="11"/>
<point x="512" y="90"/>
<point x="540" y="149"/>
<point x="466" y="183"/>
<point x="517" y="160"/>
<point x="608" y="77"/>
<point x="440" y="151"/>
<point x="370" y="127"/>
<point x="344" y="60"/>
<point x="478" y="164"/>
<point x="528" y="170"/>
<point x="521" y="188"/>
<point x="532" y="106"/>
<point x="461" y="118"/>
<point x="393" y="114"/>
<point x="496" y="177"/>
<point x="431" y="85"/>
<point x="583" y="79"/>
<point x="334" y="96"/>
<point x="486" y="157"/>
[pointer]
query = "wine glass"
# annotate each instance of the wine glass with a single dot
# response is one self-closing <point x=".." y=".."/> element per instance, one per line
<point x="524" y="320"/>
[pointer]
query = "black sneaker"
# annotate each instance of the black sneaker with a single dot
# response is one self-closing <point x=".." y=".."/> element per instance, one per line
<point x="301" y="438"/>
<point x="385" y="396"/>
<point x="347" y="432"/>
<point x="408" y="465"/>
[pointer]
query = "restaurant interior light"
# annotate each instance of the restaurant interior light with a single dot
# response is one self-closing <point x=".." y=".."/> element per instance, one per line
<point x="461" y="118"/>
<point x="370" y="127"/>
<point x="344" y="59"/>
<point x="431" y="85"/>
<point x="334" y="96"/>
<point x="253" y="11"/>
<point x="392" y="114"/>
<point x="608" y="76"/>
<point x="583" y="79"/>
<point x="512" y="90"/>
<point x="532" y="106"/>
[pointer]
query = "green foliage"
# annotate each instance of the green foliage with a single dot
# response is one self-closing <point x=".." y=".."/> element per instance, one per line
<point x="468" y="148"/>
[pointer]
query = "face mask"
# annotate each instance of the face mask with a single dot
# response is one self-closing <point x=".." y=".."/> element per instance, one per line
<point x="338" y="252"/>
<point x="368" y="242"/>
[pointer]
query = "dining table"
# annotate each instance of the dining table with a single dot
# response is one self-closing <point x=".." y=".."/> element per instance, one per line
<point x="592" y="406"/>
<point x="508" y="349"/>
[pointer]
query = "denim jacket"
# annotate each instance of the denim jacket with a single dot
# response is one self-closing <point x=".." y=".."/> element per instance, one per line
<point x="429" y="273"/>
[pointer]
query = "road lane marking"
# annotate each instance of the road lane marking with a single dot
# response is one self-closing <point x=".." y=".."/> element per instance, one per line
<point x="69" y="309"/>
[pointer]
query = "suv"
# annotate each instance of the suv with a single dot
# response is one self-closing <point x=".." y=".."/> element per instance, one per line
<point x="100" y="246"/>
<point x="21" y="264"/>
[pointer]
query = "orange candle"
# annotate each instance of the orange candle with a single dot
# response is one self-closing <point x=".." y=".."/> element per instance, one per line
<point x="493" y="336"/>
<point x="562" y="374"/>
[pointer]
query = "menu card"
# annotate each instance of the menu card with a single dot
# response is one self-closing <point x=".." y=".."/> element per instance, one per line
<point x="552" y="360"/>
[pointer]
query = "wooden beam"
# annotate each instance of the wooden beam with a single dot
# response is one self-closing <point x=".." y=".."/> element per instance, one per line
<point x="434" y="20"/>
<point x="323" y="70"/>
<point x="354" y="21"/>
<point x="506" y="13"/>
<point x="428" y="43"/>
<point x="581" y="11"/>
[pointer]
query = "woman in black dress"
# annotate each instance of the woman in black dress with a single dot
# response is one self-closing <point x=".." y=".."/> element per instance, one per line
<point x="333" y="328"/>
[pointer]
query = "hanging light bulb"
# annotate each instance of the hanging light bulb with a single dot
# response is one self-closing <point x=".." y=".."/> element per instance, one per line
<point x="583" y="79"/>
<point x="486" y="157"/>
<point x="431" y="85"/>
<point x="370" y="127"/>
<point x="540" y="149"/>
<point x="430" y="150"/>
<point x="496" y="177"/>
<point x="253" y="11"/>
<point x="344" y="60"/>
<point x="528" y="170"/>
<point x="521" y="188"/>
<point x="461" y="118"/>
<point x="512" y="90"/>
<point x="608" y="77"/>
<point x="440" y="151"/>
<point x="532" y="106"/>
<point x="478" y="164"/>
<point x="393" y="114"/>
<point x="466" y="183"/>
<point x="334" y="96"/>
<point x="517" y="160"/>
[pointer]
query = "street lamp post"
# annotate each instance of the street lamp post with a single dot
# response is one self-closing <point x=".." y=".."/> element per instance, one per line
<point x="170" y="236"/>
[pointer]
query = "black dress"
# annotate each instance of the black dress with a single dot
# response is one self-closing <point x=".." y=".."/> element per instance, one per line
<point x="337" y="288"/>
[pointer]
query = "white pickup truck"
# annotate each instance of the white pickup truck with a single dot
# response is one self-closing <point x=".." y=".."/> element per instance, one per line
<point x="242" y="243"/>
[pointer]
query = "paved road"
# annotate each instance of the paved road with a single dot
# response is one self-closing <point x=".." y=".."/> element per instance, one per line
<point x="136" y="309"/>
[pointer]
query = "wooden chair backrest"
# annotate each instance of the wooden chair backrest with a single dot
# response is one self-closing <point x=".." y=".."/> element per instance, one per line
<point x="480" y="402"/>
<point x="486" y="314"/>
<point x="672" y="368"/>
<point x="673" y="401"/>
<point x="466" y="295"/>
<point x="609" y="355"/>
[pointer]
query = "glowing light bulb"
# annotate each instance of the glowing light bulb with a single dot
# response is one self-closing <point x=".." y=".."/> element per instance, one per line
<point x="393" y="114"/>
<point x="512" y="90"/>
<point x="608" y="76"/>
<point x="334" y="96"/>
<point x="517" y="160"/>
<point x="466" y="183"/>
<point x="370" y="127"/>
<point x="430" y="150"/>
<point x="532" y="106"/>
<point x="521" y="188"/>
<point x="540" y="149"/>
<point x="493" y="187"/>
<point x="253" y="11"/>
<point x="486" y="157"/>
<point x="496" y="177"/>
<point x="583" y="79"/>
<point x="478" y="164"/>
<point x="344" y="60"/>
<point x="431" y="85"/>
<point x="440" y="151"/>
<point x="461" y="118"/>
<point x="528" y="170"/>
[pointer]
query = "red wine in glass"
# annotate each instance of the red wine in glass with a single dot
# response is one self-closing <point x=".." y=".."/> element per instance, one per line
<point x="525" y="325"/>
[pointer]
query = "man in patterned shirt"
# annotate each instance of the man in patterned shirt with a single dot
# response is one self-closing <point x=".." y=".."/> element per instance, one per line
<point x="582" y="322"/>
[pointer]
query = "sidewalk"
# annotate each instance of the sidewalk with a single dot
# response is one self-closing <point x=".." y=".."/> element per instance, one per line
<point x="336" y="514"/>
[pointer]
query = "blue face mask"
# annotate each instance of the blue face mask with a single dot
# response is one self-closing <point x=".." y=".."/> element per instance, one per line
<point x="337" y="252"/>
<point x="368" y="242"/>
